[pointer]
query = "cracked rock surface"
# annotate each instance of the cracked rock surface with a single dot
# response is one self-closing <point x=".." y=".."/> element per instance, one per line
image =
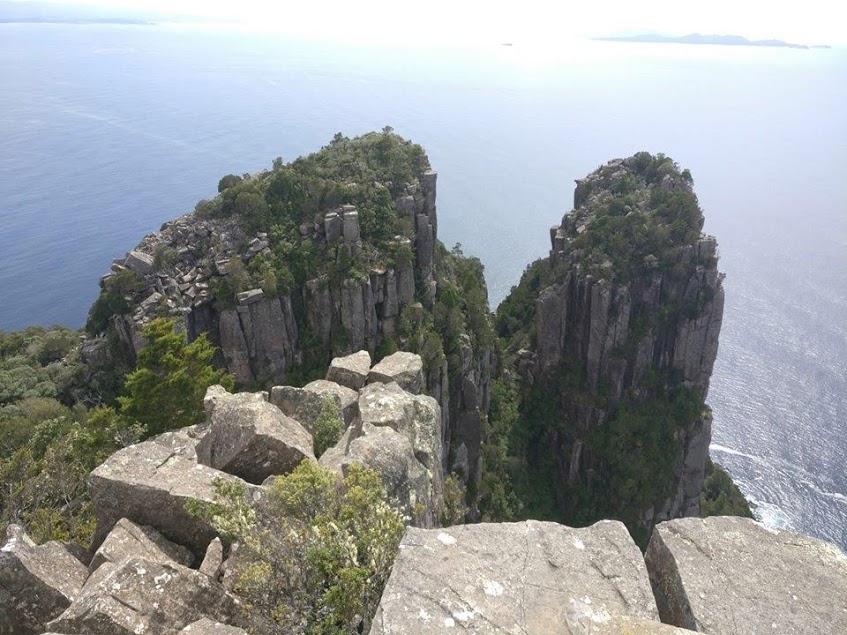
<point x="35" y="581"/>
<point x="141" y="597"/>
<point x="527" y="578"/>
<point x="150" y="483"/>
<point x="732" y="576"/>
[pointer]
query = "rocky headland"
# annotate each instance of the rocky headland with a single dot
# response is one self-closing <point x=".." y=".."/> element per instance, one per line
<point x="381" y="412"/>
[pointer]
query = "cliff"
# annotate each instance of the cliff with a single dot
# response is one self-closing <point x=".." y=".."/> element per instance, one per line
<point x="619" y="332"/>
<point x="329" y="254"/>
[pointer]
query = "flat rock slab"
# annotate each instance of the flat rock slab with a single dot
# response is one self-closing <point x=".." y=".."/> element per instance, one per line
<point x="210" y="627"/>
<point x="150" y="483"/>
<point x="139" y="262"/>
<point x="128" y="540"/>
<point x="37" y="582"/>
<point x="733" y="576"/>
<point x="351" y="371"/>
<point x="404" y="368"/>
<point x="251" y="438"/>
<point x="621" y="625"/>
<point x="528" y="578"/>
<point x="143" y="597"/>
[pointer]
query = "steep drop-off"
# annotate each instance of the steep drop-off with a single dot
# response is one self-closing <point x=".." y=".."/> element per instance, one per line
<point x="614" y="336"/>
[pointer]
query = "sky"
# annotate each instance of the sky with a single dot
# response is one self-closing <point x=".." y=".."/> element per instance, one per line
<point x="519" y="21"/>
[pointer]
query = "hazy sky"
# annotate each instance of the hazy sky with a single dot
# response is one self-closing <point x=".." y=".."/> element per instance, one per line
<point x="810" y="21"/>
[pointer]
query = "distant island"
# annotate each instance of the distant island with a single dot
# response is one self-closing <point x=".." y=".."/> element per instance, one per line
<point x="697" y="38"/>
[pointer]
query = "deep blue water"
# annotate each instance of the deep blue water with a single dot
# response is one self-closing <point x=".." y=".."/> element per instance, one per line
<point x="108" y="131"/>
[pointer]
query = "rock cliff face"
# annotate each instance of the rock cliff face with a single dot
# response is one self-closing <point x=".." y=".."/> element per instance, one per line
<point x="358" y="290"/>
<point x="626" y="322"/>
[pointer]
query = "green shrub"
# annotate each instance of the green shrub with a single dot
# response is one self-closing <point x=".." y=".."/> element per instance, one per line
<point x="317" y="562"/>
<point x="164" y="257"/>
<point x="166" y="390"/>
<point x="328" y="427"/>
<point x="721" y="496"/>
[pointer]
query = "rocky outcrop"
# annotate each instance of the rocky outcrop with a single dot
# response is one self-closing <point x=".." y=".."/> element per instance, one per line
<point x="37" y="582"/>
<point x="259" y="337"/>
<point x="150" y="484"/>
<point x="531" y="578"/>
<point x="130" y="540"/>
<point x="305" y="404"/>
<point x="251" y="438"/>
<point x="265" y="333"/>
<point x="141" y="596"/>
<point x="733" y="576"/>
<point x="399" y="435"/>
<point x="406" y="369"/>
<point x="630" y="310"/>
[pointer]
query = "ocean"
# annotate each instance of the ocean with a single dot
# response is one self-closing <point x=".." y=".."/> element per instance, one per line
<point x="107" y="131"/>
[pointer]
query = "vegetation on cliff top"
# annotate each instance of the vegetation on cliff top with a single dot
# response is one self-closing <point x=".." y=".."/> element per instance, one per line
<point x="631" y="217"/>
<point x="366" y="172"/>
<point x="631" y="220"/>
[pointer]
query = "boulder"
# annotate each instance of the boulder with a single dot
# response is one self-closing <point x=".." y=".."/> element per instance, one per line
<point x="150" y="483"/>
<point x="391" y="454"/>
<point x="139" y="262"/>
<point x="127" y="540"/>
<point x="37" y="582"/>
<point x="211" y="627"/>
<point x="141" y="596"/>
<point x="532" y="578"/>
<point x="304" y="404"/>
<point x="251" y="438"/>
<point x="418" y="417"/>
<point x="404" y="368"/>
<point x="246" y="298"/>
<point x="734" y="576"/>
<point x="351" y="370"/>
<point x="213" y="560"/>
<point x="348" y="399"/>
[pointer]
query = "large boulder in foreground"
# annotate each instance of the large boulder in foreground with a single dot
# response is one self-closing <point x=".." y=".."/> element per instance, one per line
<point x="150" y="483"/>
<point x="251" y="438"/>
<point x="528" y="578"/>
<point x="141" y="597"/>
<point x="37" y="582"/>
<point x="733" y="576"/>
